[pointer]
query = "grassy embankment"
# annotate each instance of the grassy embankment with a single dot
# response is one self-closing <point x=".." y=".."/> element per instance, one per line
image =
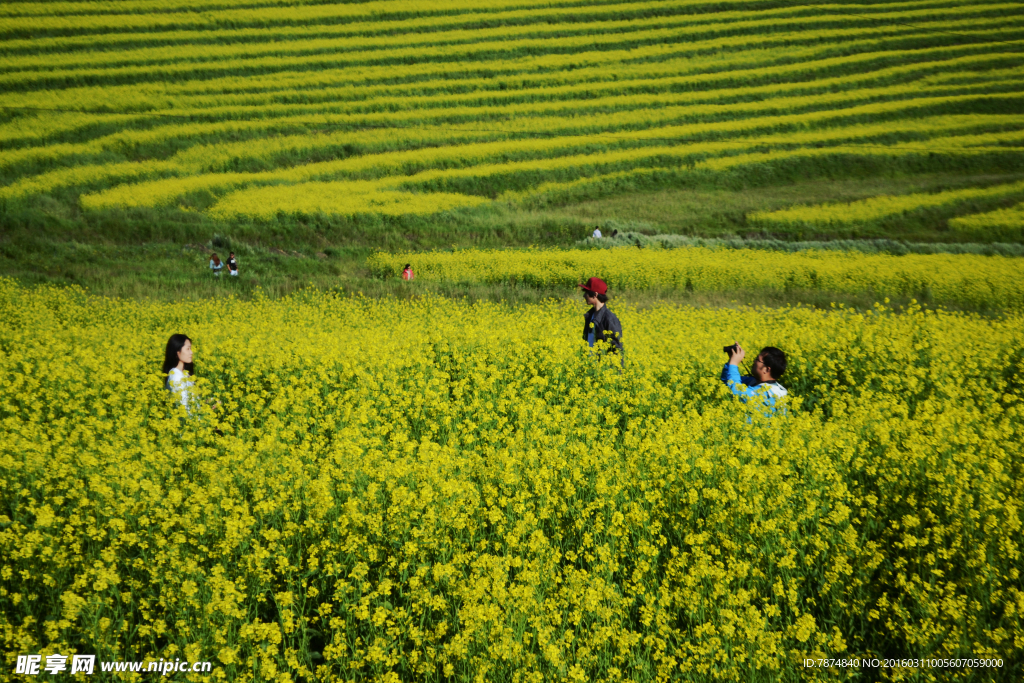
<point x="163" y="253"/>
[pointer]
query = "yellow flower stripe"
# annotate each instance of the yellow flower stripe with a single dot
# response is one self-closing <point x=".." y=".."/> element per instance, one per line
<point x="649" y="76"/>
<point x="666" y="107"/>
<point x="962" y="278"/>
<point x="433" y="23"/>
<point x="146" y="18"/>
<point x="587" y="66"/>
<point x="449" y="52"/>
<point x="338" y="198"/>
<point x="377" y="8"/>
<point x="157" y="192"/>
<point x="867" y="210"/>
<point x="1012" y="218"/>
<point x="952" y="145"/>
<point x="351" y="41"/>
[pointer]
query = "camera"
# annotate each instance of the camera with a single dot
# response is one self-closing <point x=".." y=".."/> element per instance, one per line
<point x="731" y="349"/>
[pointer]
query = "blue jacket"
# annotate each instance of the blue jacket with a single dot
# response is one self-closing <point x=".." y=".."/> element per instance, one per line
<point x="746" y="388"/>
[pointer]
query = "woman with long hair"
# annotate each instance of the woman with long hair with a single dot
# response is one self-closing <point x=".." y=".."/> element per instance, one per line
<point x="179" y="368"/>
<point x="216" y="265"/>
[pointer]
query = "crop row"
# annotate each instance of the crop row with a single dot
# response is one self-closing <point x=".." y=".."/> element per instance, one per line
<point x="86" y="175"/>
<point x="586" y="66"/>
<point x="699" y="27"/>
<point x="808" y="76"/>
<point x="372" y="9"/>
<point x="950" y="279"/>
<point x="1012" y="217"/>
<point x="473" y="20"/>
<point x="336" y="198"/>
<point x="331" y="198"/>
<point x="936" y="154"/>
<point x="348" y="42"/>
<point x="270" y="16"/>
<point x="868" y="210"/>
<point x="403" y="143"/>
<point x="404" y="162"/>
<point x="27" y="8"/>
<point x="634" y="108"/>
<point x="368" y="81"/>
<point x="951" y="146"/>
<point x="221" y="156"/>
<point x="687" y="42"/>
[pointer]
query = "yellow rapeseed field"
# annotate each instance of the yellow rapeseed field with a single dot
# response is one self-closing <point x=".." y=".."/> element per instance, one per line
<point x="973" y="280"/>
<point x="432" y="490"/>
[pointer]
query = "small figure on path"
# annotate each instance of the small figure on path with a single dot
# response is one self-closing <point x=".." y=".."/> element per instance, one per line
<point x="599" y="323"/>
<point x="597" y="232"/>
<point x="216" y="265"/>
<point x="407" y="273"/>
<point x="233" y="264"/>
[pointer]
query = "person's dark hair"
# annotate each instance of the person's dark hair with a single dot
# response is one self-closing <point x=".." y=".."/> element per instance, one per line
<point x="615" y="233"/>
<point x="603" y="298"/>
<point x="407" y="266"/>
<point x="174" y="345"/>
<point x="216" y="259"/>
<point x="775" y="360"/>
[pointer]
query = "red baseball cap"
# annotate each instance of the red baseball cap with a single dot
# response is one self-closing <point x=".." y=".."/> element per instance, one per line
<point x="595" y="285"/>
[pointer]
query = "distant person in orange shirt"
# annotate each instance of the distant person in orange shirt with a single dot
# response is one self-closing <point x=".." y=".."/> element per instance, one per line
<point x="407" y="273"/>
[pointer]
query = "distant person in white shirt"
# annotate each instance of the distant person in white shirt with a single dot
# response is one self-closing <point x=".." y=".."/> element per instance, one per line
<point x="597" y="232"/>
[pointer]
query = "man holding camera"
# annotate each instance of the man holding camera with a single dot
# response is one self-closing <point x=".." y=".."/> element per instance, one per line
<point x="763" y="382"/>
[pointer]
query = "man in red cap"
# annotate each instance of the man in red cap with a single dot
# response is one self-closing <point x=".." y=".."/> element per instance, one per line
<point x="600" y="324"/>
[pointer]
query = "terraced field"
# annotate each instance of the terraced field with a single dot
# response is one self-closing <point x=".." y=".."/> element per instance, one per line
<point x="251" y="110"/>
